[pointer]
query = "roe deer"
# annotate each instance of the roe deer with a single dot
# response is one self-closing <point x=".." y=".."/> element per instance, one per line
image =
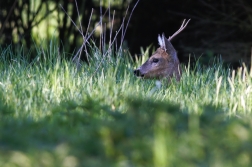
<point x="164" y="63"/>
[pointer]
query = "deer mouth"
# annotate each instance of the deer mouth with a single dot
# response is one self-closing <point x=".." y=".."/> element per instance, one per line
<point x="138" y="73"/>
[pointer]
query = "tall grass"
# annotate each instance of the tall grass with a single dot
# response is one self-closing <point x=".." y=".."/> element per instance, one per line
<point x="54" y="114"/>
<point x="53" y="79"/>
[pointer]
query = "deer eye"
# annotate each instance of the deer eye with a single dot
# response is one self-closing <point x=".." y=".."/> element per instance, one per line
<point x="154" y="60"/>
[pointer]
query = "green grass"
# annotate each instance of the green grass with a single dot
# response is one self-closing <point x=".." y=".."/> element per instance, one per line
<point x="101" y="115"/>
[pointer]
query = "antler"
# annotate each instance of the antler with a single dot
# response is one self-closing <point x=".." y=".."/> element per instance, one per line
<point x="182" y="27"/>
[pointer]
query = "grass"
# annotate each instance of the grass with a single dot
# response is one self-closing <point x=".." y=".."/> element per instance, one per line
<point x="101" y="115"/>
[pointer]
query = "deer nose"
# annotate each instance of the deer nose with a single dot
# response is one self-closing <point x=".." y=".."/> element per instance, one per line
<point x="138" y="73"/>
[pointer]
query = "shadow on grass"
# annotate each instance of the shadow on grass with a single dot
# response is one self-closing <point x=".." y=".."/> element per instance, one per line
<point x="148" y="134"/>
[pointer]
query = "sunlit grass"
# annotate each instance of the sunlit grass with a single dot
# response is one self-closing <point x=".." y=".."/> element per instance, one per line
<point x="102" y="115"/>
<point x="27" y="87"/>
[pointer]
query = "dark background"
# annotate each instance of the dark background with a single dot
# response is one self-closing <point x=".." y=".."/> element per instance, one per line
<point x="217" y="28"/>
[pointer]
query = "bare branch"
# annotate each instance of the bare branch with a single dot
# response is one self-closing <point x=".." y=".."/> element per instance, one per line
<point x="42" y="18"/>
<point x="111" y="29"/>
<point x="81" y="29"/>
<point x="128" y="21"/>
<point x="71" y="20"/>
<point x="7" y="18"/>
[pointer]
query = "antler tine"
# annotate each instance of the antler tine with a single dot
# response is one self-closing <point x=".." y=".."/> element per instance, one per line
<point x="182" y="27"/>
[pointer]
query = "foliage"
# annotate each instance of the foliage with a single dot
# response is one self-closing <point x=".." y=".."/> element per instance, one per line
<point x="31" y="22"/>
<point x="53" y="114"/>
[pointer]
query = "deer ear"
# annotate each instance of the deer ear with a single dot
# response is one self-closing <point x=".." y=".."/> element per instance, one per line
<point x="161" y="42"/>
<point x="169" y="48"/>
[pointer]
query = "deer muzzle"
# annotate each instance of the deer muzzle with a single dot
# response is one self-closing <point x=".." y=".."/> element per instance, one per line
<point x="138" y="73"/>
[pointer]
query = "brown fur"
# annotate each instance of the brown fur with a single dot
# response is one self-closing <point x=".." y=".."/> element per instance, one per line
<point x="163" y="63"/>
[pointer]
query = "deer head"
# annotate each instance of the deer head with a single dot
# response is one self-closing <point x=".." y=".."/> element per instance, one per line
<point x="164" y="63"/>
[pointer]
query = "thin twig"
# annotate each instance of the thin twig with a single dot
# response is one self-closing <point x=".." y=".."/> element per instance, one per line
<point x="78" y="60"/>
<point x="129" y="20"/>
<point x="71" y="20"/>
<point x="100" y="47"/>
<point x="85" y="40"/>
<point x="89" y="22"/>
<point x="81" y="32"/>
<point x="111" y="30"/>
<point x="104" y="38"/>
<point x="117" y="32"/>
<point x="123" y="28"/>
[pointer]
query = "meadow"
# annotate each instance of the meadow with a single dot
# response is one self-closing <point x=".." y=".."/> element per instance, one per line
<point x="99" y="114"/>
